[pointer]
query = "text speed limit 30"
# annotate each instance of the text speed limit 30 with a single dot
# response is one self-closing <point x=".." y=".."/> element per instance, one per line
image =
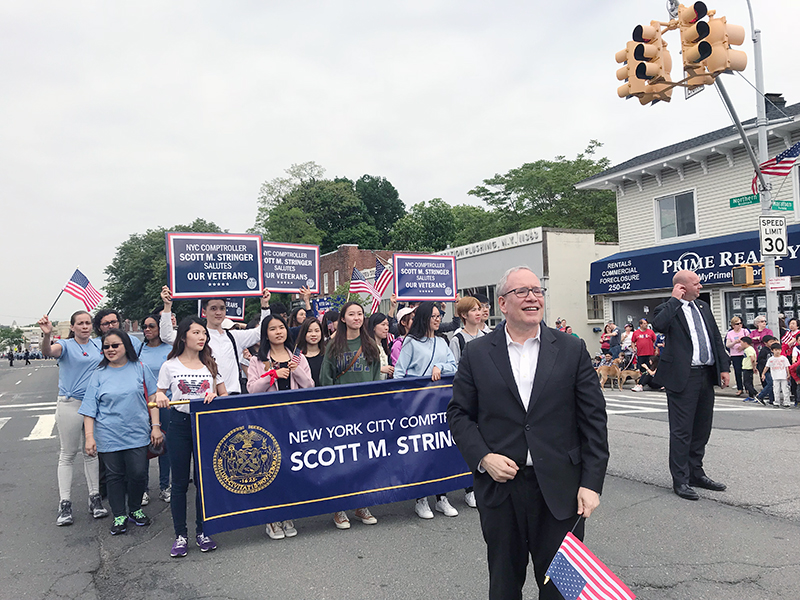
<point x="772" y="231"/>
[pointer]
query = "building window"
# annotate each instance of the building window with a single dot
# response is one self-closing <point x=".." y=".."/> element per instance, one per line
<point x="676" y="215"/>
<point x="336" y="279"/>
<point x="594" y="306"/>
<point x="325" y="283"/>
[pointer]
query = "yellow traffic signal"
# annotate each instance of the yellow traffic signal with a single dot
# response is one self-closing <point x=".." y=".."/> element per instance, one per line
<point x="694" y="47"/>
<point x="720" y="38"/>
<point x="656" y="62"/>
<point x="633" y="86"/>
<point x="742" y="275"/>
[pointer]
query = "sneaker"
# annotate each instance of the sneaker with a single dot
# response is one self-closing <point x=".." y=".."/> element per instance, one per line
<point x="165" y="495"/>
<point x="365" y="516"/>
<point x="120" y="525"/>
<point x="96" y="507"/>
<point x="179" y="547"/>
<point x="341" y="520"/>
<point x="64" y="513"/>
<point x="275" y="531"/>
<point x="443" y="506"/>
<point x="469" y="498"/>
<point x="145" y="499"/>
<point x="288" y="529"/>
<point x="139" y="518"/>
<point x="423" y="509"/>
<point x="637" y="388"/>
<point x="205" y="543"/>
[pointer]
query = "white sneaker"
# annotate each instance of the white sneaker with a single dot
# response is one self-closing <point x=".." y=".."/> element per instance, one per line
<point x="469" y="498"/>
<point x="275" y="531"/>
<point x="637" y="388"/>
<point x="341" y="520"/>
<point x="443" y="506"/>
<point x="288" y="529"/>
<point x="165" y="495"/>
<point x="423" y="509"/>
<point x="145" y="499"/>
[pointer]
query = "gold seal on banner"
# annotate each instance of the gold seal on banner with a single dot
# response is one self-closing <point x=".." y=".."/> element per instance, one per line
<point x="247" y="459"/>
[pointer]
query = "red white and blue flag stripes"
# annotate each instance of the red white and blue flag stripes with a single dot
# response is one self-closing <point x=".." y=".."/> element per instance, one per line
<point x="79" y="287"/>
<point x="781" y="165"/>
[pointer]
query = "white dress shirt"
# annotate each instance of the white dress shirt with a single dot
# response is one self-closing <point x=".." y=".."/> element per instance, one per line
<point x="687" y="313"/>
<point x="524" y="359"/>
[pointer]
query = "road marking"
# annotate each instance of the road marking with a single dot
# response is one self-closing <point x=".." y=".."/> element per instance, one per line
<point x="29" y="374"/>
<point x="43" y="430"/>
<point x="20" y="381"/>
<point x="2" y="394"/>
<point x="31" y="405"/>
<point x="3" y="421"/>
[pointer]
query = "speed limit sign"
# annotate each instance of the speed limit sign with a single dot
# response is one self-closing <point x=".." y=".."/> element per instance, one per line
<point x="772" y="231"/>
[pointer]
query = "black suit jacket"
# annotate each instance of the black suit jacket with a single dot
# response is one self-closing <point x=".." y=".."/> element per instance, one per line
<point x="564" y="427"/>
<point x="676" y="357"/>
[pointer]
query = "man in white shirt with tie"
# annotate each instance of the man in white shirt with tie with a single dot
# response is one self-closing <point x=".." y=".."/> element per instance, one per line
<point x="693" y="361"/>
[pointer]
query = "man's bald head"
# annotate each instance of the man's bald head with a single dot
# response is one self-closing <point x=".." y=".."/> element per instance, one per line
<point x="688" y="282"/>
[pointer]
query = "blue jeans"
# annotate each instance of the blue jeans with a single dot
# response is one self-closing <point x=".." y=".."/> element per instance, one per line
<point x="163" y="460"/>
<point x="180" y="450"/>
<point x="125" y="473"/>
<point x="766" y="390"/>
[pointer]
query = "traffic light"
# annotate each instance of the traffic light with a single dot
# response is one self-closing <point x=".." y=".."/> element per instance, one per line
<point x="633" y="86"/>
<point x="647" y="66"/>
<point x="720" y="37"/>
<point x="742" y="275"/>
<point x="694" y="47"/>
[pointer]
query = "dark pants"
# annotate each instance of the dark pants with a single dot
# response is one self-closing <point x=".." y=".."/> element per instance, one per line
<point x="766" y="388"/>
<point x="647" y="380"/>
<point x="163" y="460"/>
<point x="643" y="360"/>
<point x="180" y="450"/>
<point x="522" y="525"/>
<point x="125" y="474"/>
<point x="747" y="375"/>
<point x="691" y="414"/>
<point x="736" y="361"/>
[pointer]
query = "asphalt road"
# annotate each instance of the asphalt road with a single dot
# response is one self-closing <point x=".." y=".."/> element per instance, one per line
<point x="742" y="543"/>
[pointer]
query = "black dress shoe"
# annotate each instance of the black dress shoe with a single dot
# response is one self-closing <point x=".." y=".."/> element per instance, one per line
<point x="684" y="491"/>
<point x="708" y="484"/>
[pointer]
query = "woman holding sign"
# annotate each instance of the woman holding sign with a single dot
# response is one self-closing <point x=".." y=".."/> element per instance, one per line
<point x="425" y="355"/>
<point x="352" y="357"/>
<point x="191" y="374"/>
<point x="277" y="368"/>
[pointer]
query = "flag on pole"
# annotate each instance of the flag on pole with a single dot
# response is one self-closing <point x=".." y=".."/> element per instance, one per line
<point x="79" y="286"/>
<point x="781" y="165"/>
<point x="360" y="285"/>
<point x="295" y="360"/>
<point x="383" y="276"/>
<point x="580" y="575"/>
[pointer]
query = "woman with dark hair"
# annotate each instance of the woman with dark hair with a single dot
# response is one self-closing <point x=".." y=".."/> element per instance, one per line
<point x="329" y="323"/>
<point x="78" y="357"/>
<point x="378" y="328"/>
<point x="425" y="355"/>
<point x="352" y="356"/>
<point x="118" y="426"/>
<point x="312" y="344"/>
<point x="190" y="373"/>
<point x="297" y="317"/>
<point x="274" y="370"/>
<point x="153" y="353"/>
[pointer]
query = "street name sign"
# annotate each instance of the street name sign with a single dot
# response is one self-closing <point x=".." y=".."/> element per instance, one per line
<point x="744" y="200"/>
<point x="783" y="205"/>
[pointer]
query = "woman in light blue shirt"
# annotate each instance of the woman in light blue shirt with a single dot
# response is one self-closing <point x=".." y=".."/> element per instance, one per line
<point x="426" y="355"/>
<point x="118" y="426"/>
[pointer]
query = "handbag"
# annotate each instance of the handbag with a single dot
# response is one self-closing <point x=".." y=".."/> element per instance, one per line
<point x="153" y="450"/>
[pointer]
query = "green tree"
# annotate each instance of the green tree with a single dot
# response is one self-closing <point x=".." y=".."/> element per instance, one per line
<point x="543" y="193"/>
<point x="473" y="224"/>
<point x="11" y="337"/>
<point x="286" y="223"/>
<point x="139" y="269"/>
<point x="427" y="227"/>
<point x="383" y="204"/>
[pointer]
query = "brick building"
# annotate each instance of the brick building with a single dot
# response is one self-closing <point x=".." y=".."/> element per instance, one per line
<point x="337" y="266"/>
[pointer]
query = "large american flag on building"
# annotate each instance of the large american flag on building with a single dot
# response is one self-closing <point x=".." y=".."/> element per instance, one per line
<point x="781" y="165"/>
<point x="580" y="575"/>
<point x="79" y="286"/>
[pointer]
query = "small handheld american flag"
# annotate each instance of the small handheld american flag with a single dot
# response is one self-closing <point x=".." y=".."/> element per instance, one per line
<point x="79" y="287"/>
<point x="295" y="360"/>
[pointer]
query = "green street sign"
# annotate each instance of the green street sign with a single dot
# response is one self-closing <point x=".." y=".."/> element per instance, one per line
<point x="782" y="205"/>
<point x="744" y="200"/>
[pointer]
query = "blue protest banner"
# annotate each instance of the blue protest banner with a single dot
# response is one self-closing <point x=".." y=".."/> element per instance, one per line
<point x="284" y="455"/>
<point x="323" y="305"/>
<point x="214" y="265"/>
<point x="288" y="267"/>
<point x="234" y="309"/>
<point x="420" y="277"/>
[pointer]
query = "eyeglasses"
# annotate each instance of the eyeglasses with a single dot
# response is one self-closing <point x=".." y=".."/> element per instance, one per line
<point x="437" y="317"/>
<point x="149" y="326"/>
<point x="524" y="291"/>
<point x="114" y="346"/>
<point x="109" y="323"/>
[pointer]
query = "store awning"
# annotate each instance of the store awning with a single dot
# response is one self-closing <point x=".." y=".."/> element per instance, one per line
<point x="711" y="258"/>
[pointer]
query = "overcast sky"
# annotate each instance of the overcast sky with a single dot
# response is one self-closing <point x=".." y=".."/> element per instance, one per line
<point x="119" y="117"/>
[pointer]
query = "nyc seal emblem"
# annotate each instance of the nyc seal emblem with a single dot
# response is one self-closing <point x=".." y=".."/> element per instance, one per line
<point x="247" y="459"/>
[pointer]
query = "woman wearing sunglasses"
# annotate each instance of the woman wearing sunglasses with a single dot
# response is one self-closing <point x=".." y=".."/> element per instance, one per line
<point x="119" y="428"/>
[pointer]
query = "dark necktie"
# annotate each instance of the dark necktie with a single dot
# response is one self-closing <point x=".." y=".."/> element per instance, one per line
<point x="701" y="333"/>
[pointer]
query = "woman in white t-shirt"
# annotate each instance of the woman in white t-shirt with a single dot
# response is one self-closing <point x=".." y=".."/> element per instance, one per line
<point x="191" y="374"/>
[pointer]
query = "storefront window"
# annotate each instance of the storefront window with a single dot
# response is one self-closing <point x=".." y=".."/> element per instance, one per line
<point x="594" y="306"/>
<point x="488" y="291"/>
<point x="747" y="305"/>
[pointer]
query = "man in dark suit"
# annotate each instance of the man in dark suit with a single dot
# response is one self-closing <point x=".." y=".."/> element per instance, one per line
<point x="693" y="361"/>
<point x="529" y="418"/>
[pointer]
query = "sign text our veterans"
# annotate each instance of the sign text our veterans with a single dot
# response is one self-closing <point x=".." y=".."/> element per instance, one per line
<point x="206" y="265"/>
<point x="420" y="277"/>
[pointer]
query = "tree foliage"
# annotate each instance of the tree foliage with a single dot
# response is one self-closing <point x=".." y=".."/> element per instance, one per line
<point x="11" y="337"/>
<point x="382" y="203"/>
<point x="139" y="269"/>
<point x="428" y="227"/>
<point x="542" y="193"/>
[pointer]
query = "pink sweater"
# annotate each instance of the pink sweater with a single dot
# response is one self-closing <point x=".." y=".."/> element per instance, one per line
<point x="299" y="378"/>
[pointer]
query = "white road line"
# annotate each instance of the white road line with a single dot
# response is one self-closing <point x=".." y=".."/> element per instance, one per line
<point x="29" y="374"/>
<point x="43" y="430"/>
<point x="20" y="381"/>
<point x="31" y="405"/>
<point x="2" y="394"/>
<point x="3" y="421"/>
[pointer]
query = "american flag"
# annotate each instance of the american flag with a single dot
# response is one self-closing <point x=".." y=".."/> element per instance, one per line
<point x="295" y="360"/>
<point x="579" y="575"/>
<point x="79" y="286"/>
<point x="383" y="277"/>
<point x="360" y="285"/>
<point x="781" y="165"/>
